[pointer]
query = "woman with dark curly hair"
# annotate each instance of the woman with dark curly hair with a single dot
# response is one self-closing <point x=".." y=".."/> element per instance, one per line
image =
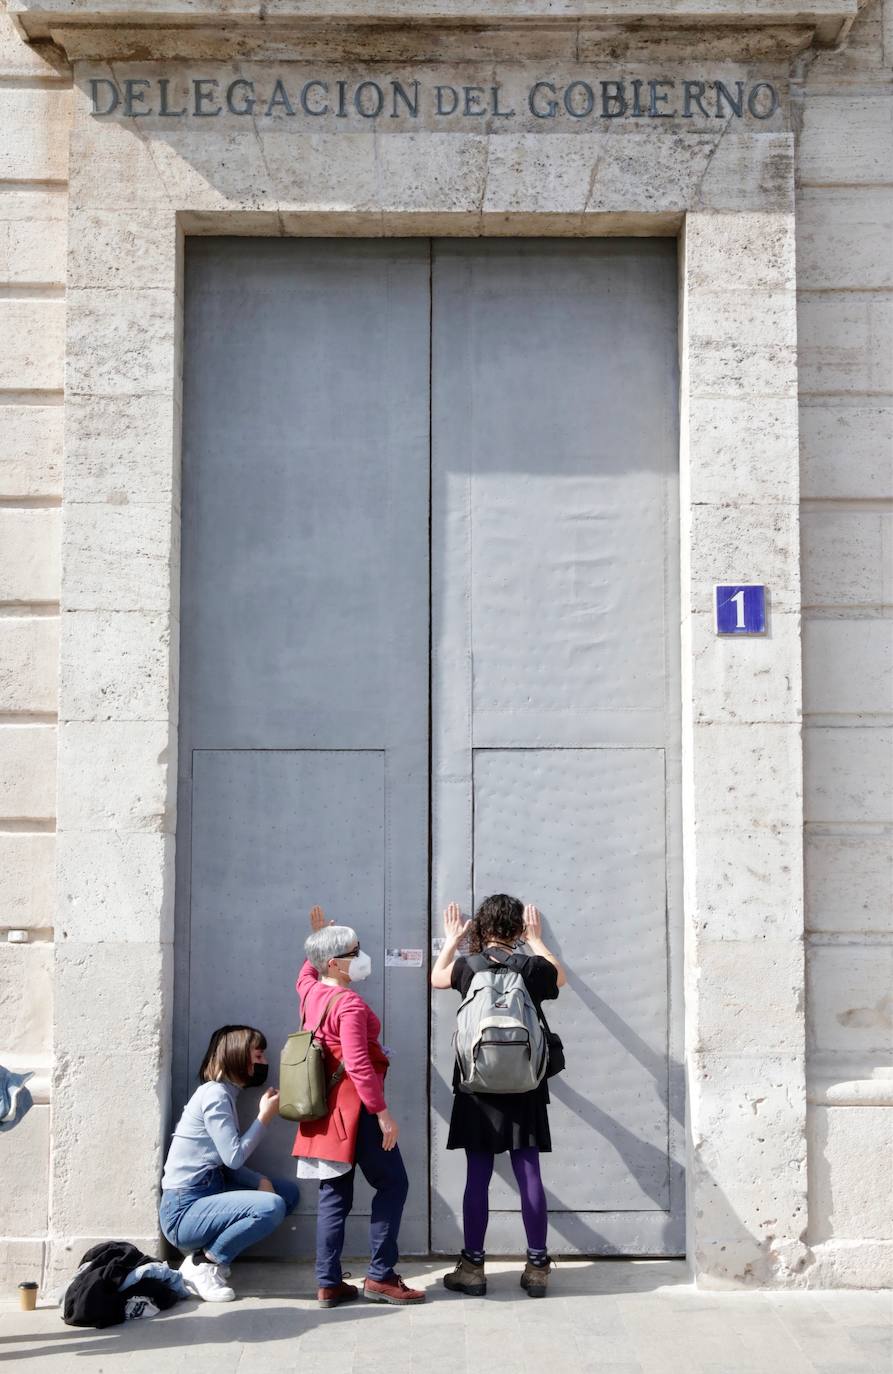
<point x="487" y="1124"/>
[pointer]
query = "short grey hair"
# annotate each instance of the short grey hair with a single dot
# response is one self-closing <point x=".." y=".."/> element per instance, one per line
<point x="329" y="943"/>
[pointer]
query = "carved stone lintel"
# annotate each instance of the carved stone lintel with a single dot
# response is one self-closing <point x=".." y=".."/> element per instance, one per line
<point x="249" y="28"/>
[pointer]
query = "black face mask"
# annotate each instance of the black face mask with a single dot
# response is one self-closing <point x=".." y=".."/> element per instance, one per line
<point x="258" y="1076"/>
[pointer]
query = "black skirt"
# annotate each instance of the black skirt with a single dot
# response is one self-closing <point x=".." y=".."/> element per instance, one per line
<point x="495" y="1122"/>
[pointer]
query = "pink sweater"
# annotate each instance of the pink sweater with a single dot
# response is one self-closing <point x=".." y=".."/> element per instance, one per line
<point x="351" y="1024"/>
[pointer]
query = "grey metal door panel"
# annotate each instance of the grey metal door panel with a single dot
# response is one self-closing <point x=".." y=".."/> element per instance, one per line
<point x="566" y="433"/>
<point x="555" y="692"/>
<point x="305" y="487"/>
<point x="274" y="831"/>
<point x="304" y="683"/>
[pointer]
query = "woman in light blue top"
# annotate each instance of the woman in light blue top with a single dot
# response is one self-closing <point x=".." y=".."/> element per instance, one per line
<point x="212" y="1206"/>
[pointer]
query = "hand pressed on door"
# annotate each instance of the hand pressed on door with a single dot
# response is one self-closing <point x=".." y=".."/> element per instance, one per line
<point x="533" y="939"/>
<point x="318" y="918"/>
<point x="455" y="929"/>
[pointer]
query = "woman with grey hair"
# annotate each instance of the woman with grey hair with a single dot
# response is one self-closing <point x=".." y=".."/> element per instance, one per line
<point x="358" y="1128"/>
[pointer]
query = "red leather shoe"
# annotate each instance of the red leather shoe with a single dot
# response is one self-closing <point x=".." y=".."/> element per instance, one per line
<point x="334" y="1297"/>
<point x="392" y="1290"/>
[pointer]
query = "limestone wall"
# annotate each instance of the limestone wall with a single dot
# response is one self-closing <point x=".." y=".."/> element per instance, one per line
<point x="34" y="114"/>
<point x="845" y="276"/>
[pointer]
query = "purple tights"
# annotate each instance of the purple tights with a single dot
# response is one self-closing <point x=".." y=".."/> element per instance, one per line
<point x="476" y="1204"/>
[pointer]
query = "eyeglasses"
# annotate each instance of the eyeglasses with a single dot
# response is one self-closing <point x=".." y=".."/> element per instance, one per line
<point x="351" y="954"/>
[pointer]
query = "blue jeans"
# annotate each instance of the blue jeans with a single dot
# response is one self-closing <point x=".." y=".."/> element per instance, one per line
<point x="225" y="1214"/>
<point x="385" y="1171"/>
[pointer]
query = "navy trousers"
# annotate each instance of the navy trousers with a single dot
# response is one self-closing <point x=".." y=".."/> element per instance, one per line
<point x="384" y="1171"/>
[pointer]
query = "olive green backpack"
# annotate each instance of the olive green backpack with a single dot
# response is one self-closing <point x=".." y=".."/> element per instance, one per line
<point x="303" y="1090"/>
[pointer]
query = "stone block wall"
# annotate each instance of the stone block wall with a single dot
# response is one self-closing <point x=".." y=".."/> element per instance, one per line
<point x="35" y="98"/>
<point x="845" y="276"/>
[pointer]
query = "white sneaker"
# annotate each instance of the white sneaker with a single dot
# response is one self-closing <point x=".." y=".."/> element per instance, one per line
<point x="206" y="1281"/>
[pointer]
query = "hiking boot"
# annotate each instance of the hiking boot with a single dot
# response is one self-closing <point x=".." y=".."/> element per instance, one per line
<point x="334" y="1297"/>
<point x="467" y="1277"/>
<point x="204" y="1280"/>
<point x="535" y="1278"/>
<point x="392" y="1290"/>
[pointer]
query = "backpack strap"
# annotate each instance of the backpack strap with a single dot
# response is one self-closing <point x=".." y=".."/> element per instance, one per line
<point x="488" y="960"/>
<point x="485" y="961"/>
<point x="340" y="1070"/>
<point x="325" y="1011"/>
<point x="482" y="962"/>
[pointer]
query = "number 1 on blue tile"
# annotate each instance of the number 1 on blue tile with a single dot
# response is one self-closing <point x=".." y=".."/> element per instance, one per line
<point x="741" y="609"/>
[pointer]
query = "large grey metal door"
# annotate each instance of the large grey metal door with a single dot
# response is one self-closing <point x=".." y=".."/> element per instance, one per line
<point x="555" y="697"/>
<point x="537" y="381"/>
<point x="304" y="685"/>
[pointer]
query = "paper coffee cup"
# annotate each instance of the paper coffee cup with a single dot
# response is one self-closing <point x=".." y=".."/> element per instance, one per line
<point x="28" y="1296"/>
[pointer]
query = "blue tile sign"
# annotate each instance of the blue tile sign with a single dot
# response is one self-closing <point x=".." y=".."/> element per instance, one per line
<point x="741" y="610"/>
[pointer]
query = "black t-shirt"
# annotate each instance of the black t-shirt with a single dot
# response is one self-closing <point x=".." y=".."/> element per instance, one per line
<point x="539" y="975"/>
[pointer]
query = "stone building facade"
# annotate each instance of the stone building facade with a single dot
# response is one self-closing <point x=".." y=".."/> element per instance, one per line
<point x="759" y="135"/>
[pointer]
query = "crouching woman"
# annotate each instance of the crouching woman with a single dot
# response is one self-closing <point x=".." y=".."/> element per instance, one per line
<point x="212" y="1206"/>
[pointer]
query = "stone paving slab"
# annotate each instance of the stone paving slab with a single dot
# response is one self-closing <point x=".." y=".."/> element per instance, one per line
<point x="601" y="1317"/>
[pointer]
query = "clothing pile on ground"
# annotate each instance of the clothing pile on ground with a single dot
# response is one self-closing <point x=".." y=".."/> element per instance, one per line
<point x="116" y="1283"/>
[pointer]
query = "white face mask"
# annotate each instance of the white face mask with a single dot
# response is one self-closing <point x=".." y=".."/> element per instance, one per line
<point x="359" y="967"/>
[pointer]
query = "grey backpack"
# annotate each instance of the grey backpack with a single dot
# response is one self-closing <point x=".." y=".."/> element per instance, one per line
<point x="500" y="1043"/>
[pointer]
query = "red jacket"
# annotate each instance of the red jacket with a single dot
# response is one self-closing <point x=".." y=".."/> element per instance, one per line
<point x="350" y="1033"/>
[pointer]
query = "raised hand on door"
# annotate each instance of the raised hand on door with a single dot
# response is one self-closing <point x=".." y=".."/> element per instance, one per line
<point x="533" y="938"/>
<point x="454" y="926"/>
<point x="533" y="923"/>
<point x="318" y="918"/>
<point x="455" y="929"/>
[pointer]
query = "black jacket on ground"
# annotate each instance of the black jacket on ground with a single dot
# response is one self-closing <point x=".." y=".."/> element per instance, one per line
<point x="93" y="1297"/>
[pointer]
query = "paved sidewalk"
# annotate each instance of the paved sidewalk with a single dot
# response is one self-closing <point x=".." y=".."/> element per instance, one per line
<point x="605" y="1317"/>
